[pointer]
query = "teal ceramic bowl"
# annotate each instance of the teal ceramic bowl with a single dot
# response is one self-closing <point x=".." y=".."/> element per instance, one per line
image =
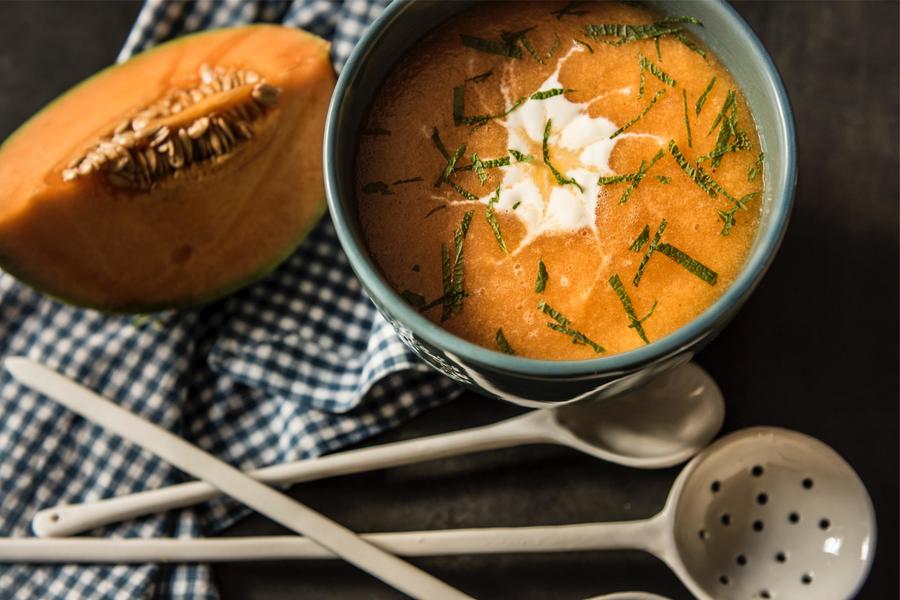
<point x="542" y="382"/>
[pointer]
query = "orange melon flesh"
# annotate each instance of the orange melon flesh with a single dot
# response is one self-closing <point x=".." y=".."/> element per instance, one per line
<point x="190" y="239"/>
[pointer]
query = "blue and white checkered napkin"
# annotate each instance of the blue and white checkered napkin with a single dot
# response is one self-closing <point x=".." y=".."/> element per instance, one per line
<point x="294" y="366"/>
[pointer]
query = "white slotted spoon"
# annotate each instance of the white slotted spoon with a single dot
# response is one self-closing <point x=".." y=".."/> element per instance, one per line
<point x="657" y="425"/>
<point x="762" y="513"/>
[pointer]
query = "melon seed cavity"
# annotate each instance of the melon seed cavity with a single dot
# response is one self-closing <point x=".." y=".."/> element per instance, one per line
<point x="202" y="124"/>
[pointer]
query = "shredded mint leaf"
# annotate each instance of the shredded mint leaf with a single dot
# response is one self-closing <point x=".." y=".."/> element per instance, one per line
<point x="414" y="299"/>
<point x="681" y="37"/>
<point x="435" y="209"/>
<point x="640" y="240"/>
<point x="380" y="187"/>
<point x="462" y="191"/>
<point x="502" y="343"/>
<point x="542" y="276"/>
<point x="553" y="46"/>
<point x="438" y="143"/>
<point x="410" y="180"/>
<point x="570" y="9"/>
<point x="554" y="314"/>
<point x="687" y="123"/>
<point x="450" y="169"/>
<point x="635" y="178"/>
<point x="635" y="323"/>
<point x="516" y="205"/>
<point x="507" y="46"/>
<point x="730" y="100"/>
<point x="519" y="156"/>
<point x="611" y="179"/>
<point x="711" y="187"/>
<point x="692" y="265"/>
<point x="459" y="105"/>
<point x="626" y="33"/>
<point x="459" y="237"/>
<point x="493" y="163"/>
<point x="663" y="179"/>
<point x="583" y="44"/>
<point x="727" y="216"/>
<point x="514" y="37"/>
<point x="452" y="272"/>
<point x="632" y="33"/>
<point x="646" y="65"/>
<point x="640" y="115"/>
<point x="741" y="142"/>
<point x="727" y="117"/>
<point x="480" y="77"/>
<point x="479" y="168"/>
<point x="439" y="301"/>
<point x="544" y="94"/>
<point x="563" y="325"/>
<point x="639" y="176"/>
<point x="454" y="158"/>
<point x="492" y="220"/>
<point x="377" y="187"/>
<point x="755" y="169"/>
<point x="697" y="174"/>
<point x="650" y="250"/>
<point x="490" y="46"/>
<point x="534" y="54"/>
<point x="702" y="99"/>
<point x="560" y="178"/>
<point x="376" y="131"/>
<point x="459" y="110"/>
<point x="658" y="53"/>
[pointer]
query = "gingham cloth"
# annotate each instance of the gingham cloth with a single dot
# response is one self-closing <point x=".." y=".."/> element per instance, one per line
<point x="294" y="366"/>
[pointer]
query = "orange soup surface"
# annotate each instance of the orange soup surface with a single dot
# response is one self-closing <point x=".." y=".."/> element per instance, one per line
<point x="558" y="180"/>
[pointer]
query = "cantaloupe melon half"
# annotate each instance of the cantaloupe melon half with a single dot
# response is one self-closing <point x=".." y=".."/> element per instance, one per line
<point x="174" y="178"/>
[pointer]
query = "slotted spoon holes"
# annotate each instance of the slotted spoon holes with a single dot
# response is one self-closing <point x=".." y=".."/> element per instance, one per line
<point x="763" y="520"/>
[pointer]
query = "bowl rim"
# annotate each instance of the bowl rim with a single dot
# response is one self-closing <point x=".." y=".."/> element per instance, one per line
<point x="386" y="299"/>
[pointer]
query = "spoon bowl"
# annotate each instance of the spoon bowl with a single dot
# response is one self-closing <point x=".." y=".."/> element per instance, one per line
<point x="660" y="424"/>
<point x="771" y="513"/>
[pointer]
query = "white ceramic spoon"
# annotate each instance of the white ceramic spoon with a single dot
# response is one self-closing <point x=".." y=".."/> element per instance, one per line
<point x="267" y="501"/>
<point x="659" y="425"/>
<point x="762" y="513"/>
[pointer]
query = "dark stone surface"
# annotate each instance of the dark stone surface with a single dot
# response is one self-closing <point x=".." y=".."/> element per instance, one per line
<point x="815" y="349"/>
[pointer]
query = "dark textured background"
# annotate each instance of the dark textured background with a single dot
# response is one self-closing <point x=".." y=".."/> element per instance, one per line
<point x="815" y="349"/>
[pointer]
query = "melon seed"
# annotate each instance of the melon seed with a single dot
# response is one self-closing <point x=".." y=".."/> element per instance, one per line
<point x="265" y="93"/>
<point x="198" y="127"/>
<point x="136" y="154"/>
<point x="187" y="144"/>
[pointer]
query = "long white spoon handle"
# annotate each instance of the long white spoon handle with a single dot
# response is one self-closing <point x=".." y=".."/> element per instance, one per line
<point x="269" y="502"/>
<point x="70" y="519"/>
<point x="558" y="538"/>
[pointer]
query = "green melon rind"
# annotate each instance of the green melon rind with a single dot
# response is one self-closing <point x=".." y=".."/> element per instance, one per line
<point x="176" y="303"/>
